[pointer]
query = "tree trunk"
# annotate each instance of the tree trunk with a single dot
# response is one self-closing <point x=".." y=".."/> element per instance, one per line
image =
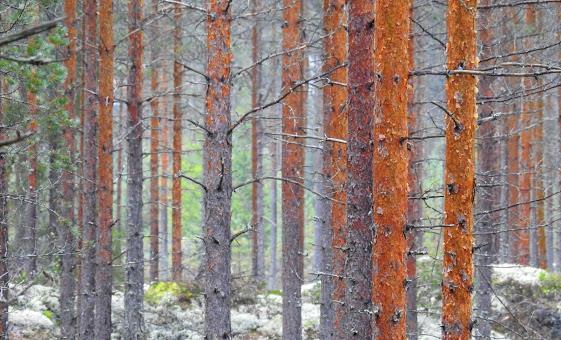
<point x="154" y="151"/>
<point x="257" y="233"/>
<point x="176" y="252"/>
<point x="335" y="168"/>
<point x="457" y="283"/>
<point x="89" y="165"/>
<point x="217" y="153"/>
<point x="164" y="183"/>
<point x="390" y="168"/>
<point x="104" y="246"/>
<point x="4" y="273"/>
<point x="293" y="123"/>
<point x="30" y="233"/>
<point x="134" y="269"/>
<point x="274" y="151"/>
<point x="357" y="271"/>
<point x="65" y="227"/>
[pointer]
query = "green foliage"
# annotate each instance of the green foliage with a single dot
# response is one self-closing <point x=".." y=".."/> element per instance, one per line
<point x="49" y="314"/>
<point x="277" y="292"/>
<point x="160" y="290"/>
<point x="550" y="282"/>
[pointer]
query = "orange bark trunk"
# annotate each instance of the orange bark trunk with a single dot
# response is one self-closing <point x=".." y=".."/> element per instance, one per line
<point x="335" y="164"/>
<point x="176" y="252"/>
<point x="293" y="123"/>
<point x="103" y="277"/>
<point x="457" y="284"/>
<point x="390" y="168"/>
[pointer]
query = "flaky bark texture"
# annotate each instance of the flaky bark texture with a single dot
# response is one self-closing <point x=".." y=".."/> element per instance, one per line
<point x="357" y="271"/>
<point x="104" y="271"/>
<point x="65" y="227"/>
<point x="217" y="153"/>
<point x="293" y="123"/>
<point x="390" y="167"/>
<point x="134" y="268"/>
<point x="176" y="252"/>
<point x="459" y="188"/>
<point x="154" y="152"/>
<point x="89" y="166"/>
<point x="4" y="274"/>
<point x="335" y="166"/>
<point x="257" y="233"/>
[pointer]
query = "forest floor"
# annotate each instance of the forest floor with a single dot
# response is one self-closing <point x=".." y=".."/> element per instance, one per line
<point x="526" y="305"/>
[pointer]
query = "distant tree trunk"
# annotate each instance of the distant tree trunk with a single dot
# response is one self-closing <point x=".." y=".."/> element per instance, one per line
<point x="274" y="152"/>
<point x="390" y="168"/>
<point x="217" y="153"/>
<point x="154" y="152"/>
<point x="119" y="229"/>
<point x="164" y="183"/>
<point x="89" y="165"/>
<point x="334" y="168"/>
<point x="134" y="269"/>
<point x="487" y="191"/>
<point x="65" y="229"/>
<point x="104" y="246"/>
<point x="4" y="273"/>
<point x="176" y="252"/>
<point x="357" y="271"/>
<point x="293" y="123"/>
<point x="513" y="178"/>
<point x="414" y="207"/>
<point x="30" y="233"/>
<point x="457" y="282"/>
<point x="257" y="233"/>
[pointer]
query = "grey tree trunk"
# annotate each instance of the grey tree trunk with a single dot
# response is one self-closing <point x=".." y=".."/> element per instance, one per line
<point x="274" y="151"/>
<point x="4" y="274"/>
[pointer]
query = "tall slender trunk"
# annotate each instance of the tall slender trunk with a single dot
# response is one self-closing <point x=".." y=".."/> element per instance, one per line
<point x="4" y="273"/>
<point x="217" y="153"/>
<point x="154" y="151"/>
<point x="119" y="228"/>
<point x="104" y="246"/>
<point x="134" y="269"/>
<point x="488" y="190"/>
<point x="357" y="271"/>
<point x="164" y="183"/>
<point x="334" y="167"/>
<point x="274" y="152"/>
<point x="390" y="168"/>
<point x="30" y="224"/>
<point x="539" y="241"/>
<point x="65" y="229"/>
<point x="89" y="165"/>
<point x="176" y="252"/>
<point x="457" y="282"/>
<point x="293" y="123"/>
<point x="257" y="233"/>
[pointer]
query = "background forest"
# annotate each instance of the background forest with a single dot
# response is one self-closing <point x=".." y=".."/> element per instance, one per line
<point x="290" y="169"/>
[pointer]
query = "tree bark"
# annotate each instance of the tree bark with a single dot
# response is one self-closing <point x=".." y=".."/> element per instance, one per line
<point x="134" y="269"/>
<point x="30" y="233"/>
<point x="357" y="271"/>
<point x="390" y="168"/>
<point x="293" y="123"/>
<point x="104" y="270"/>
<point x="258" y="232"/>
<point x="217" y="153"/>
<point x="65" y="229"/>
<point x="4" y="273"/>
<point x="457" y="283"/>
<point x="154" y="151"/>
<point x="89" y="165"/>
<point x="335" y="167"/>
<point x="176" y="252"/>
<point x="164" y="182"/>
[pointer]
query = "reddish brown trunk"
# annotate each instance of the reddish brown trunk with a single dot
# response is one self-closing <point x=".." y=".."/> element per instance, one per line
<point x="335" y="164"/>
<point x="104" y="277"/>
<point x="357" y="272"/>
<point x="390" y="168"/>
<point x="293" y="123"/>
<point x="217" y="153"/>
<point x="176" y="252"/>
<point x="30" y="224"/>
<point x="154" y="152"/>
<point x="457" y="283"/>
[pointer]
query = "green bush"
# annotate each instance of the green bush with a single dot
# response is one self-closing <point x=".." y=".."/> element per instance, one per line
<point x="550" y="282"/>
<point x="159" y="290"/>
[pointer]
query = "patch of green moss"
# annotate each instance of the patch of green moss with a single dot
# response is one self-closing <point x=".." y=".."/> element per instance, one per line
<point x="274" y="292"/>
<point x="550" y="282"/>
<point x="49" y="314"/>
<point x="159" y="290"/>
